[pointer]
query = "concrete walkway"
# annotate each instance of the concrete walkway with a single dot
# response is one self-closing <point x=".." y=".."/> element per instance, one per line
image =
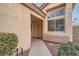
<point x="38" y="48"/>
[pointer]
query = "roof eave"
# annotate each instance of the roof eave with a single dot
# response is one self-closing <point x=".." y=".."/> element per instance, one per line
<point x="43" y="5"/>
<point x="35" y="9"/>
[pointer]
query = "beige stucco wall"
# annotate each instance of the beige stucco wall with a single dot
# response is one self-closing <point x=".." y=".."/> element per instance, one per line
<point x="16" y="18"/>
<point x="68" y="26"/>
<point x="68" y="20"/>
<point x="76" y="34"/>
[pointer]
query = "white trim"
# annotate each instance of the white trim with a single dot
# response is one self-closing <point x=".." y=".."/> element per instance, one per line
<point x="58" y="17"/>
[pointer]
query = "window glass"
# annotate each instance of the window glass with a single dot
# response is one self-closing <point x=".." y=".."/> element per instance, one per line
<point x="60" y="25"/>
<point x="57" y="13"/>
<point x="62" y="11"/>
<point x="50" y="25"/>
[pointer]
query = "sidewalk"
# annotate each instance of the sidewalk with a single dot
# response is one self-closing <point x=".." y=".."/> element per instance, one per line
<point x="38" y="48"/>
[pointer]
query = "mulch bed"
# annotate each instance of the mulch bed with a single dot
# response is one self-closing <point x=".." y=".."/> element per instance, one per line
<point x="53" y="47"/>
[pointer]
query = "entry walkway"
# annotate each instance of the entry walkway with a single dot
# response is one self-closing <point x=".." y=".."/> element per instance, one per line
<point x="38" y="48"/>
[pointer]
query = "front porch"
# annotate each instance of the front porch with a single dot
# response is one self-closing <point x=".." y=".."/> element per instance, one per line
<point x="36" y="27"/>
<point x="38" y="47"/>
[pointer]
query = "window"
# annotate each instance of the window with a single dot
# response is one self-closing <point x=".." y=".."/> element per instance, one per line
<point x="58" y="12"/>
<point x="56" y="25"/>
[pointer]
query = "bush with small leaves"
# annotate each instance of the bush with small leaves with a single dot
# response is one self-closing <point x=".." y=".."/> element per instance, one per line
<point x="8" y="42"/>
<point x="69" y="49"/>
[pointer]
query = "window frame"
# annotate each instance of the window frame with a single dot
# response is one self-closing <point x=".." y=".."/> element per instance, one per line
<point x="62" y="17"/>
<point x="54" y="12"/>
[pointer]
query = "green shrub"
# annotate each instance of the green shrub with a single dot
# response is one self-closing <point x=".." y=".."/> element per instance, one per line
<point x="8" y="42"/>
<point x="69" y="49"/>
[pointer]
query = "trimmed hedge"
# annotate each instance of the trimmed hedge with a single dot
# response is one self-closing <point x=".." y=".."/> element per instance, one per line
<point x="69" y="49"/>
<point x="8" y="42"/>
